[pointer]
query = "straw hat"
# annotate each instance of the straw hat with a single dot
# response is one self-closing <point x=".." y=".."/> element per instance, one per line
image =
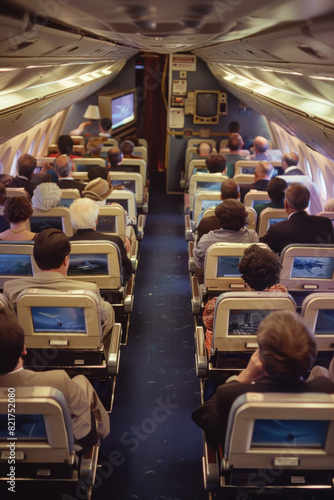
<point x="97" y="189"/>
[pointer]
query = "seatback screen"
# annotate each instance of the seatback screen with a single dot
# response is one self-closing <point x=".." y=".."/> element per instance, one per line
<point x="313" y="267"/>
<point x="228" y="267"/>
<point x="89" y="264"/>
<point x="246" y="322"/>
<point x="15" y="265"/>
<point x="58" y="319"/>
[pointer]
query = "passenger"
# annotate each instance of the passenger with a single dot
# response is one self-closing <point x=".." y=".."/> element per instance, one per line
<point x="25" y="167"/>
<point x="2" y="194"/>
<point x="286" y="351"/>
<point x="65" y="147"/>
<point x="300" y="227"/>
<point x="127" y="148"/>
<point x="52" y="255"/>
<point x="91" y="126"/>
<point x="228" y="189"/>
<point x="289" y="162"/>
<point x="204" y="149"/>
<point x="236" y="153"/>
<point x="115" y="157"/>
<point x="17" y="211"/>
<point x="133" y="139"/>
<point x="63" y="167"/>
<point x="46" y="195"/>
<point x="104" y="127"/>
<point x="89" y="418"/>
<point x="276" y="192"/>
<point x="260" y="269"/>
<point x="98" y="171"/>
<point x="321" y="371"/>
<point x="234" y="127"/>
<point x="94" y="147"/>
<point x="84" y="217"/>
<point x="232" y="217"/>
<point x="260" y="149"/>
<point x="262" y="175"/>
<point x="216" y="164"/>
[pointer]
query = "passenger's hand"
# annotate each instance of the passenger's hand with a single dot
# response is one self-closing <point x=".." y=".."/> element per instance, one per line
<point x="45" y="167"/>
<point x="254" y="370"/>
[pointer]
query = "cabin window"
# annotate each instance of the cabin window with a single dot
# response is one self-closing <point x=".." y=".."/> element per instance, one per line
<point x="13" y="167"/>
<point x="41" y="142"/>
<point x="308" y="169"/>
<point x="31" y="148"/>
<point x="322" y="185"/>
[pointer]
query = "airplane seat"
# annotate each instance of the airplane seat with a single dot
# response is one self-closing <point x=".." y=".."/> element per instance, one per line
<point x="68" y="196"/>
<point x="330" y="215"/>
<point x="202" y="201"/>
<point x="204" y="182"/>
<point x="10" y="192"/>
<point x="268" y="217"/>
<point x="78" y="140"/>
<point x="16" y="260"/>
<point x="194" y="166"/>
<point x="127" y="200"/>
<point x="58" y="217"/>
<point x="85" y="164"/>
<point x="143" y="142"/>
<point x="132" y="181"/>
<point x="140" y="151"/>
<point x="134" y="165"/>
<point x="274" y="442"/>
<point x="44" y="442"/>
<point x="63" y="330"/>
<point x="254" y="197"/>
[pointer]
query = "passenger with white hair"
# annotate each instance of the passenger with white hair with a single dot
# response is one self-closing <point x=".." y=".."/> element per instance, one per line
<point x="84" y="217"/>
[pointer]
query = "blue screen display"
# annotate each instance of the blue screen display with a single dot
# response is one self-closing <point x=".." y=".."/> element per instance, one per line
<point x="314" y="268"/>
<point x="246" y="322"/>
<point x="15" y="265"/>
<point x="122" y="110"/>
<point x="89" y="264"/>
<point x="38" y="224"/>
<point x="228" y="267"/>
<point x="325" y="322"/>
<point x="289" y="433"/>
<point x="274" y="221"/>
<point x="27" y="427"/>
<point x="106" y="224"/>
<point x="210" y="203"/>
<point x="58" y="319"/>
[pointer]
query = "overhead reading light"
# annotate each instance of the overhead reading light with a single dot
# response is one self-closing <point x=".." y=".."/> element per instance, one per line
<point x="92" y="113"/>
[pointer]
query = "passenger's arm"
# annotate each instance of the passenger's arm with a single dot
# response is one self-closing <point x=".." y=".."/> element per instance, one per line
<point x="107" y="314"/>
<point x="253" y="371"/>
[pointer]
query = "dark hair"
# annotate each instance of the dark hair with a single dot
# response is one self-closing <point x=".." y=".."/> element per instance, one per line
<point x="2" y="190"/>
<point x="11" y="341"/>
<point x="50" y="249"/>
<point x="216" y="163"/>
<point x="17" y="209"/>
<point x="233" y="127"/>
<point x="105" y="123"/>
<point x="96" y="172"/>
<point x="276" y="189"/>
<point x="298" y="196"/>
<point x="231" y="215"/>
<point x="114" y="156"/>
<point x="26" y="165"/>
<point x="260" y="267"/>
<point x="235" y="142"/>
<point x="229" y="189"/>
<point x="127" y="147"/>
<point x="65" y="144"/>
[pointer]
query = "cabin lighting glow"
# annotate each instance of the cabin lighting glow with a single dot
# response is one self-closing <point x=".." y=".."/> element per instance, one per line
<point x="107" y="71"/>
<point x="86" y="78"/>
<point x="5" y="70"/>
<point x="319" y="77"/>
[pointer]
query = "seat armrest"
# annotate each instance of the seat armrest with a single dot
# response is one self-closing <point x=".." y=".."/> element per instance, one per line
<point x="201" y="357"/>
<point x="191" y="263"/>
<point x="134" y="255"/>
<point x="210" y="467"/>
<point x="188" y="228"/>
<point x="145" y="202"/>
<point x="88" y="463"/>
<point x="128" y="299"/>
<point x="195" y="296"/>
<point x="141" y="225"/>
<point x="182" y="180"/>
<point x="113" y="350"/>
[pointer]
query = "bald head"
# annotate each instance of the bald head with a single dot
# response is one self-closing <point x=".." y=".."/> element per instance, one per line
<point x="289" y="160"/>
<point x="204" y="149"/>
<point x="260" y="144"/>
<point x="63" y="166"/>
<point x="263" y="170"/>
<point x="235" y="142"/>
<point x="115" y="156"/>
<point x="26" y="165"/>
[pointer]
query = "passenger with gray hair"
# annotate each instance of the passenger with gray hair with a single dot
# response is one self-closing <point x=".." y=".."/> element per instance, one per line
<point x="286" y="352"/>
<point x="127" y="147"/>
<point x="300" y="227"/>
<point x="289" y="162"/>
<point x="63" y="167"/>
<point x="25" y="167"/>
<point x="84" y="214"/>
<point x="262" y="175"/>
<point x="261" y="146"/>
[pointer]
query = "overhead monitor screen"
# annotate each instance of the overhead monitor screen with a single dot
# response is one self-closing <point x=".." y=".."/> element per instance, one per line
<point x="15" y="265"/>
<point x="89" y="264"/>
<point x="206" y="104"/>
<point x="122" y="110"/>
<point x="58" y="319"/>
<point x="228" y="267"/>
<point x="313" y="267"/>
<point x="246" y="322"/>
<point x="289" y="433"/>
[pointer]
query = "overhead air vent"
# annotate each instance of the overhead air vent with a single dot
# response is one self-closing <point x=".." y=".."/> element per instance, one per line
<point x="23" y="45"/>
<point x="314" y="53"/>
<point x="73" y="49"/>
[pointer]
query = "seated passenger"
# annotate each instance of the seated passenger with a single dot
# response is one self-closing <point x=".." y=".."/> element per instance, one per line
<point x="25" y="167"/>
<point x="321" y="371"/>
<point x="91" y="126"/>
<point x="63" y="167"/>
<point x="299" y="227"/>
<point x="127" y="148"/>
<point x="98" y="171"/>
<point x="52" y="255"/>
<point x="84" y="216"/>
<point x="17" y="211"/>
<point x="216" y="164"/>
<point x="260" y="149"/>
<point x="46" y="195"/>
<point x="236" y="153"/>
<point x="289" y="162"/>
<point x="65" y="147"/>
<point x="2" y="194"/>
<point x="94" y="147"/>
<point x="260" y="269"/>
<point x="104" y="127"/>
<point x="89" y="418"/>
<point x="276" y="192"/>
<point x="228" y="189"/>
<point x="262" y="175"/>
<point x="232" y="218"/>
<point x="286" y="351"/>
<point x="98" y="190"/>
<point x="204" y="149"/>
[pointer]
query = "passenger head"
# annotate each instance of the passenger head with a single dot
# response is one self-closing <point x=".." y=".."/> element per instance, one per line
<point x="289" y="160"/>
<point x="127" y="147"/>
<point x="260" y="267"/>
<point x="46" y="195"/>
<point x="133" y="139"/>
<point x="96" y="172"/>
<point x="287" y="347"/>
<point x="50" y="249"/>
<point x="63" y="165"/>
<point x="297" y="197"/>
<point x="11" y="341"/>
<point x="97" y="190"/>
<point x="83" y="213"/>
<point x="26" y="165"/>
<point x="276" y="189"/>
<point x="204" y="149"/>
<point x="2" y="193"/>
<point x="95" y="145"/>
<point x="231" y="214"/>
<point x="115" y="157"/>
<point x="17" y="209"/>
<point x="260" y="144"/>
<point x="235" y="142"/>
<point x="216" y="163"/>
<point x="230" y="189"/>
<point x="65" y="144"/>
<point x="105" y="125"/>
<point x="329" y="207"/>
<point x="263" y="170"/>
<point x="233" y="127"/>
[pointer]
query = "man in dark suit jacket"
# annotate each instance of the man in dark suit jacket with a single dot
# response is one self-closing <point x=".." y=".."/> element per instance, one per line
<point x="268" y="370"/>
<point x="289" y="162"/>
<point x="229" y="189"/>
<point x="63" y="167"/>
<point x="26" y="165"/>
<point x="299" y="227"/>
<point x="262" y="175"/>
